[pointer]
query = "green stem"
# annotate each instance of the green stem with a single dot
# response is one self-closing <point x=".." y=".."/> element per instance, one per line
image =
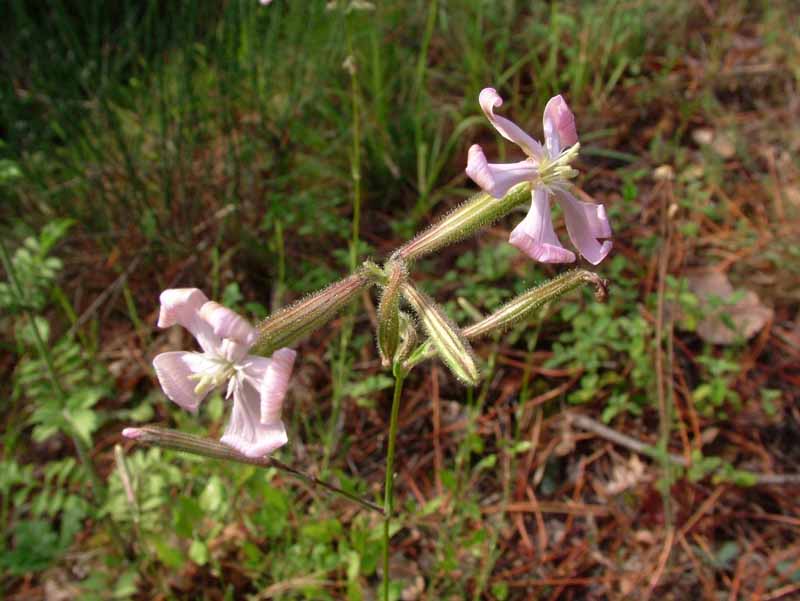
<point x="355" y="159"/>
<point x="340" y="367"/>
<point x="388" y="489"/>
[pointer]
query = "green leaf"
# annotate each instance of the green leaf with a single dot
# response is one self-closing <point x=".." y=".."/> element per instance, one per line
<point x="185" y="515"/>
<point x="213" y="496"/>
<point x="36" y="546"/>
<point x="169" y="556"/>
<point x="84" y="422"/>
<point x="198" y="552"/>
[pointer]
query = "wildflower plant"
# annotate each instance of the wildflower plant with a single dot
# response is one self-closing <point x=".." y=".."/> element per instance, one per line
<point x="254" y="364"/>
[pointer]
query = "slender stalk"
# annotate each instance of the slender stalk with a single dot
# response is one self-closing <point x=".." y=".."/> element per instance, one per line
<point x="355" y="157"/>
<point x="207" y="447"/>
<point x="664" y="365"/>
<point x="44" y="354"/>
<point x="340" y="367"/>
<point x="388" y="489"/>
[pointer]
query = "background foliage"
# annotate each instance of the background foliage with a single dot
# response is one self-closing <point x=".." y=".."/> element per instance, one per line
<point x="230" y="146"/>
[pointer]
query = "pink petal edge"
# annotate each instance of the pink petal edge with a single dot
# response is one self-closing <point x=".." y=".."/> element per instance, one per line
<point x="244" y="431"/>
<point x="583" y="227"/>
<point x="173" y="374"/>
<point x="559" y="125"/>
<point x="179" y="306"/>
<point x="275" y="384"/>
<point x="535" y="235"/>
<point x="228" y="324"/>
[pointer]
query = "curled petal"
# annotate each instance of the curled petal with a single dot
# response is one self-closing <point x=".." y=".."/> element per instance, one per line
<point x="173" y="370"/>
<point x="593" y="214"/>
<point x="275" y="383"/>
<point x="182" y="306"/>
<point x="228" y="324"/>
<point x="179" y="305"/>
<point x="535" y="235"/>
<point x="245" y="432"/>
<point x="585" y="224"/>
<point x="498" y="179"/>
<point x="559" y="126"/>
<point x="489" y="100"/>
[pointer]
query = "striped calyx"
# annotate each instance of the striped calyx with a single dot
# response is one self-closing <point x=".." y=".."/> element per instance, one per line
<point x="527" y="303"/>
<point x="389" y="311"/>
<point x="519" y="309"/>
<point x="449" y="342"/>
<point x="408" y="338"/>
<point x="476" y="213"/>
<point x="287" y="326"/>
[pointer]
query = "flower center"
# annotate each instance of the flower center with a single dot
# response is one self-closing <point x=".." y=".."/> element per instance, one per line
<point x="218" y="371"/>
<point x="558" y="169"/>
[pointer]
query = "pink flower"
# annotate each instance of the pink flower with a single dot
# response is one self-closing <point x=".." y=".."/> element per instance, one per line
<point x="548" y="168"/>
<point x="257" y="384"/>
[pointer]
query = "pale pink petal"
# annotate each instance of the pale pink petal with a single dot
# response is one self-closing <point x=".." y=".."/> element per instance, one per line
<point x="178" y="305"/>
<point x="559" y="126"/>
<point x="497" y="179"/>
<point x="245" y="432"/>
<point x="173" y="370"/>
<point x="594" y="214"/>
<point x="228" y="324"/>
<point x="489" y="100"/>
<point x="585" y="227"/>
<point x="255" y="368"/>
<point x="182" y="306"/>
<point x="275" y="384"/>
<point x="535" y="236"/>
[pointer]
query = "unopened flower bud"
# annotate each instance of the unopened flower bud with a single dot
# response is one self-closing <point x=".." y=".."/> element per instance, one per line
<point x="389" y="312"/>
<point x="520" y="308"/>
<point x="189" y="443"/>
<point x="408" y="338"/>
<point x="289" y="325"/>
<point x="446" y="338"/>
<point x="523" y="306"/>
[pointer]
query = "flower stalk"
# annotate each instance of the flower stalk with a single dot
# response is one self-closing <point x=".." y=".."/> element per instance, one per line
<point x="189" y="443"/>
<point x="388" y="489"/>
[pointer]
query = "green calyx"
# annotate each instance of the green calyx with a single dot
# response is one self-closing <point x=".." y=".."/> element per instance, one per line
<point x="389" y="311"/>
<point x="478" y="212"/>
<point x="446" y="338"/>
<point x="520" y="308"/>
<point x="289" y="325"/>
